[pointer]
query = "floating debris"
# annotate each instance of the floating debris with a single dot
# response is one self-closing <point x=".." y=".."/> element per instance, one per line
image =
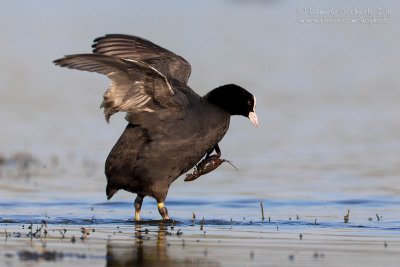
<point x="179" y="233"/>
<point x="202" y="224"/>
<point x="30" y="228"/>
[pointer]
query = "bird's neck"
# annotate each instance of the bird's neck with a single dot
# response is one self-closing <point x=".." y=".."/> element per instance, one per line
<point x="220" y="99"/>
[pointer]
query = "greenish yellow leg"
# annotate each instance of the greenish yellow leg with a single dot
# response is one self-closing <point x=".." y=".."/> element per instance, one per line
<point x="137" y="215"/>
<point x="163" y="210"/>
<point x="138" y="206"/>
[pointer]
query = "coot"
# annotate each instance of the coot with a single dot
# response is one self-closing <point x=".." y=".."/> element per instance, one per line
<point x="170" y="127"/>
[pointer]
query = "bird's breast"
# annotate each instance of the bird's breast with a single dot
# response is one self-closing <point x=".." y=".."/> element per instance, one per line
<point x="184" y="143"/>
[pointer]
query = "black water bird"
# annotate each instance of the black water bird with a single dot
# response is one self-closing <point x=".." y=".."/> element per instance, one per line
<point x="170" y="127"/>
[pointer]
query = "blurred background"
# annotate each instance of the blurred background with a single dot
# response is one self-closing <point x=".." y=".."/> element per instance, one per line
<point x="327" y="87"/>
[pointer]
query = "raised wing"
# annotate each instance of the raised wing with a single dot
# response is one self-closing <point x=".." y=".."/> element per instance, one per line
<point x="139" y="49"/>
<point x="136" y="87"/>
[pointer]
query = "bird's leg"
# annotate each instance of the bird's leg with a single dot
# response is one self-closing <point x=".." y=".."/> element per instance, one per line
<point x="208" y="164"/>
<point x="217" y="150"/>
<point x="163" y="210"/>
<point x="138" y="206"/>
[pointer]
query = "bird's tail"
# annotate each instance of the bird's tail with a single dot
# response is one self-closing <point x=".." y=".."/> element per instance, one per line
<point x="110" y="191"/>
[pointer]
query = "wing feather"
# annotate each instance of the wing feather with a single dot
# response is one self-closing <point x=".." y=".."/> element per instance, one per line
<point x="136" y="86"/>
<point x="139" y="49"/>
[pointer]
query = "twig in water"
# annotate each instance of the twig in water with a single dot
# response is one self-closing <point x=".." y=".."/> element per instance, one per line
<point x="178" y="233"/>
<point x="262" y="210"/>
<point x="193" y="218"/>
<point x="346" y="217"/>
<point x="62" y="234"/>
<point x="30" y="227"/>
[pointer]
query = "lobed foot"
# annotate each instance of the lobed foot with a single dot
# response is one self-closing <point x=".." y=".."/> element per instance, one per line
<point x="205" y="166"/>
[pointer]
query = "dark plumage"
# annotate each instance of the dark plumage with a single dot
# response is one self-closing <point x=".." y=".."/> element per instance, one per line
<point x="171" y="128"/>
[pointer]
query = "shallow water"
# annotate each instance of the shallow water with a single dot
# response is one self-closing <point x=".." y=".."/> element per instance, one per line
<point x="328" y="142"/>
<point x="229" y="232"/>
<point x="292" y="232"/>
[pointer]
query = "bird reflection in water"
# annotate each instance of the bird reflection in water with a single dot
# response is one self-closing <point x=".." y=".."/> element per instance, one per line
<point x="150" y="248"/>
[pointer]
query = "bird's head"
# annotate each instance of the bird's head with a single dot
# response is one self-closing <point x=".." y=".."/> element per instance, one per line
<point x="235" y="100"/>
